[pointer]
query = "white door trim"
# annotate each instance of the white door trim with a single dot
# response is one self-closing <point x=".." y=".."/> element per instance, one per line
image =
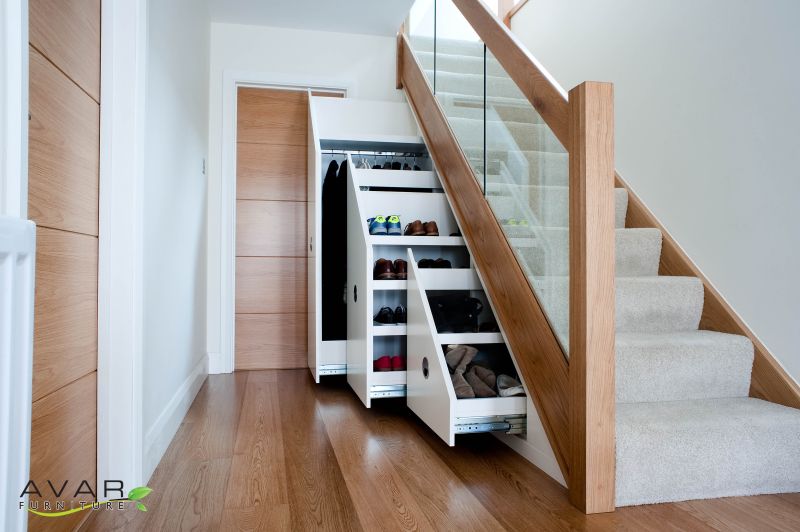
<point x="14" y="108"/>
<point x="119" y="322"/>
<point x="222" y="361"/>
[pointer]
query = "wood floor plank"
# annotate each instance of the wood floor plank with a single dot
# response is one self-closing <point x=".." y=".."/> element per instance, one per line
<point x="382" y="498"/>
<point x="348" y="468"/>
<point x="447" y="504"/>
<point x="262" y="518"/>
<point x="214" y="434"/>
<point x="258" y="472"/>
<point x="318" y="496"/>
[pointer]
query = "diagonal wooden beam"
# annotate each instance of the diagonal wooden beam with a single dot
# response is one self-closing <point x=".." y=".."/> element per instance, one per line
<point x="540" y="359"/>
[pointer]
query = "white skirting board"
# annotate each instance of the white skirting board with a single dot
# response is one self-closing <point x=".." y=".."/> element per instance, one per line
<point x="17" y="255"/>
<point x="160" y="435"/>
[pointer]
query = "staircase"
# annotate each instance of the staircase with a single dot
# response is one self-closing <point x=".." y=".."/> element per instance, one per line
<point x="686" y="427"/>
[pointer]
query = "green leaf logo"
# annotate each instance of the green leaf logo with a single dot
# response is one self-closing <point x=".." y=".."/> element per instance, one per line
<point x="141" y="506"/>
<point x="137" y="494"/>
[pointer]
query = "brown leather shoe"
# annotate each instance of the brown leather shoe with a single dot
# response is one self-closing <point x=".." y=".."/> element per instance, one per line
<point x="415" y="228"/>
<point x="383" y="270"/>
<point x="400" y="269"/>
<point x="430" y="228"/>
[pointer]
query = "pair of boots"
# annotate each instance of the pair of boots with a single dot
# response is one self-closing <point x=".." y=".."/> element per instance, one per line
<point x="477" y="382"/>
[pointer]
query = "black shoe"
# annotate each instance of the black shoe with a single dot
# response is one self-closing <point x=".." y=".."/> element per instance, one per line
<point x="425" y="263"/>
<point x="442" y="263"/>
<point x="376" y="167"/>
<point x="396" y="165"/>
<point x="385" y="316"/>
<point x="400" y="314"/>
<point x="417" y="168"/>
<point x="406" y="166"/>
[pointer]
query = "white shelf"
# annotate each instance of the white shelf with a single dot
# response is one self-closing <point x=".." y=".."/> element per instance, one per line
<point x="470" y="338"/>
<point x="390" y="285"/>
<point x="450" y="279"/>
<point x="409" y="241"/>
<point x="388" y="330"/>
<point x="388" y="378"/>
<point x="424" y="179"/>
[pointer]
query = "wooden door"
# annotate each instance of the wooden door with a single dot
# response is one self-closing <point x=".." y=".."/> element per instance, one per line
<point x="271" y="195"/>
<point x="63" y="191"/>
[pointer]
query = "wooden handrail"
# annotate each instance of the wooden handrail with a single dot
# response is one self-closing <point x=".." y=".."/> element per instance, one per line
<point x="543" y="94"/>
<point x="539" y="356"/>
<point x="511" y="12"/>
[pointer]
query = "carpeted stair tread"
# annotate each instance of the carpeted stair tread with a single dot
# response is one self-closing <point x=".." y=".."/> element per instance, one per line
<point x="638" y="251"/>
<point x="707" y="448"/>
<point x="682" y="365"/>
<point x="520" y="113"/>
<point x="550" y="204"/>
<point x="512" y="136"/>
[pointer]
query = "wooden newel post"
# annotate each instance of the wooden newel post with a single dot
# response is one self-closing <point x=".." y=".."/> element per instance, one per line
<point x="591" y="297"/>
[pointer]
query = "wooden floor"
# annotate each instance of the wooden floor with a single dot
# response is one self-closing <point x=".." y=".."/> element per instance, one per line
<point x="269" y="450"/>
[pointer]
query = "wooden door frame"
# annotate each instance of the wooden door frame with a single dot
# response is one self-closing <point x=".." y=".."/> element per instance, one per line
<point x="223" y="360"/>
<point x="120" y="441"/>
<point x="13" y="108"/>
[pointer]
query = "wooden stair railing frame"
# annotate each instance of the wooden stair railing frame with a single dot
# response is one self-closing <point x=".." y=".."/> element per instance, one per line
<point x="564" y="394"/>
<point x="575" y="401"/>
<point x="769" y="380"/>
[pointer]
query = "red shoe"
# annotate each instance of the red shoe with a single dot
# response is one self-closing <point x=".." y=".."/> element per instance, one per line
<point x="384" y="363"/>
<point x="398" y="363"/>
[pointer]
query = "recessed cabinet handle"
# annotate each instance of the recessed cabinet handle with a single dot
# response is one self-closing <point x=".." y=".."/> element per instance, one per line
<point x="311" y="244"/>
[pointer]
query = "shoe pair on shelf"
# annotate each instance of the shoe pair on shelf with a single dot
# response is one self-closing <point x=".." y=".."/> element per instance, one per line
<point x="387" y="363"/>
<point x="418" y="228"/>
<point x="384" y="225"/>
<point x="387" y="316"/>
<point x="514" y="222"/>
<point x="474" y="380"/>
<point x="438" y="263"/>
<point x="385" y="270"/>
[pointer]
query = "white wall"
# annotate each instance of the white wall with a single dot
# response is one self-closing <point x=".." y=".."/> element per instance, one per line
<point x="706" y="124"/>
<point x="174" y="233"/>
<point x="363" y="64"/>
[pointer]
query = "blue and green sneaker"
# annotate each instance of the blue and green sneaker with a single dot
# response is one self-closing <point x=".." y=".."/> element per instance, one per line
<point x="377" y="225"/>
<point x="393" y="225"/>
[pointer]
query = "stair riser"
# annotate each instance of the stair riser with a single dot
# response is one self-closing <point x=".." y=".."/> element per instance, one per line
<point x="643" y="304"/>
<point x="689" y="454"/>
<point x="549" y="204"/>
<point x="529" y="167"/>
<point x="460" y="64"/>
<point x="500" y="136"/>
<point x="522" y="113"/>
<point x="637" y="253"/>
<point x="496" y="86"/>
<point x="699" y="365"/>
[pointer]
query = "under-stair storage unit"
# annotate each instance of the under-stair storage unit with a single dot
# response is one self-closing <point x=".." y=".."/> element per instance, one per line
<point x="410" y="195"/>
<point x="431" y="394"/>
<point x="337" y="126"/>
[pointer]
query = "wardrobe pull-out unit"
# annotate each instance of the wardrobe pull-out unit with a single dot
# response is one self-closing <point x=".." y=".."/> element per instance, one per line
<point x="363" y="135"/>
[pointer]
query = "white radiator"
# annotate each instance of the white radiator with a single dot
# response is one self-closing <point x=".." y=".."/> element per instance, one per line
<point x="17" y="254"/>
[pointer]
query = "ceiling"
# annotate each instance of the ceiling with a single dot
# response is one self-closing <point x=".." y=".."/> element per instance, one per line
<point x="371" y="17"/>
